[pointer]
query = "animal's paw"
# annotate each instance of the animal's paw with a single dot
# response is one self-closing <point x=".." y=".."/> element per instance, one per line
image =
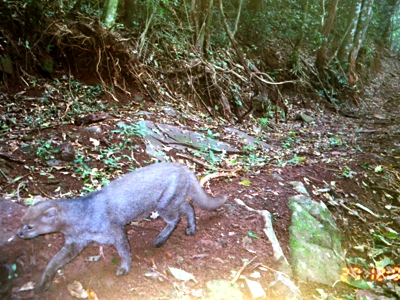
<point x="44" y="284"/>
<point x="122" y="271"/>
<point x="158" y="242"/>
<point x="190" y="231"/>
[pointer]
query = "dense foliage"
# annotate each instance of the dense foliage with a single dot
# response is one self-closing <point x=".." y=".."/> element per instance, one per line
<point x="232" y="50"/>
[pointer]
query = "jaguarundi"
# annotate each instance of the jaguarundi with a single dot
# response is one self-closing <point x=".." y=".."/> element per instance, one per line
<point x="101" y="216"/>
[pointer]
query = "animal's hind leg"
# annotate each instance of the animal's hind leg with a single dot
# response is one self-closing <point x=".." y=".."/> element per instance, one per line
<point x="172" y="220"/>
<point x="187" y="209"/>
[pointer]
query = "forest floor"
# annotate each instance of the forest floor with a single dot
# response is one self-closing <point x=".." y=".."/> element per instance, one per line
<point x="349" y="163"/>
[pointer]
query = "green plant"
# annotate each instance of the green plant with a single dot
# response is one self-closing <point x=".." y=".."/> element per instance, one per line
<point x="249" y="148"/>
<point x="281" y="163"/>
<point x="44" y="149"/>
<point x="252" y="160"/>
<point x="83" y="169"/>
<point x="108" y="157"/>
<point x="263" y="122"/>
<point x="13" y="274"/>
<point x="211" y="134"/>
<point x="347" y="172"/>
<point x="297" y="160"/>
<point x="287" y="144"/>
<point x="136" y="129"/>
<point x="335" y="141"/>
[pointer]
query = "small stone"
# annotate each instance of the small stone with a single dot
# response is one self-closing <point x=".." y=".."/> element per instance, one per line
<point x="305" y="118"/>
<point x="67" y="152"/>
<point x="94" y="129"/>
<point x="255" y="289"/>
<point x="170" y="112"/>
<point x="53" y="162"/>
<point x="283" y="288"/>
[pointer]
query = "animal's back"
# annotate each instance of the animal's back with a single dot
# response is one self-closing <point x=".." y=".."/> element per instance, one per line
<point x="136" y="194"/>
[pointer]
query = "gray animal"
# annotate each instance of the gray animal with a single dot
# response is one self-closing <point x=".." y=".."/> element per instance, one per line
<point x="101" y="216"/>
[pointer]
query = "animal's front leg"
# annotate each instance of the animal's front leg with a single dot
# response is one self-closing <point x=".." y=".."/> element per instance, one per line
<point x="67" y="253"/>
<point x="124" y="252"/>
<point x="171" y="220"/>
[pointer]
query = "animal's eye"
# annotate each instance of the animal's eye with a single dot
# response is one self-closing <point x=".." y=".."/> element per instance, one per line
<point x="28" y="227"/>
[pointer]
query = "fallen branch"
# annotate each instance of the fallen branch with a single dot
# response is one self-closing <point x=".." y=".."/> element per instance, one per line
<point x="352" y="212"/>
<point x="269" y="232"/>
<point x="377" y="187"/>
<point x="11" y="158"/>
<point x="44" y="193"/>
<point x="194" y="159"/>
<point x="208" y="177"/>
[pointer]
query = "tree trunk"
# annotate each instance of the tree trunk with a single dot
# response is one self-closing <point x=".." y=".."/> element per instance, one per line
<point x="295" y="56"/>
<point x="201" y="14"/>
<point x="348" y="39"/>
<point x="326" y="29"/>
<point x="385" y="21"/>
<point x="129" y="16"/>
<point x="362" y="26"/>
<point x="110" y="12"/>
<point x="238" y="17"/>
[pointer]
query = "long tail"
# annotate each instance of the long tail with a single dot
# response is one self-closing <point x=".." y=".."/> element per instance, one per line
<point x="201" y="198"/>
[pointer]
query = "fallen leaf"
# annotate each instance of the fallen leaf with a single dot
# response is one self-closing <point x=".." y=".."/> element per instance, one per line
<point x="95" y="142"/>
<point x="255" y="275"/>
<point x="380" y="117"/>
<point x="181" y="274"/>
<point x="153" y="275"/>
<point x="76" y="290"/>
<point x="27" y="286"/>
<point x="92" y="295"/>
<point x="253" y="235"/>
<point x="245" y="183"/>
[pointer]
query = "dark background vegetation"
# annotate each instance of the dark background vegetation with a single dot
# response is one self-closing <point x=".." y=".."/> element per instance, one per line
<point x="228" y="57"/>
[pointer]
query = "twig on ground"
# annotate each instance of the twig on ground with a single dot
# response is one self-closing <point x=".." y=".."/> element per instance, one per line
<point x="48" y="196"/>
<point x="352" y="212"/>
<point x="377" y="187"/>
<point x="244" y="266"/>
<point x="208" y="177"/>
<point x="194" y="159"/>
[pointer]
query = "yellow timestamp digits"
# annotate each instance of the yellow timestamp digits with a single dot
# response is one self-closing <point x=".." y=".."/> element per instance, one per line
<point x="379" y="274"/>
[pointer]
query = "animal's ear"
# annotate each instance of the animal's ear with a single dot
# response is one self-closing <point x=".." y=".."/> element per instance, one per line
<point x="50" y="215"/>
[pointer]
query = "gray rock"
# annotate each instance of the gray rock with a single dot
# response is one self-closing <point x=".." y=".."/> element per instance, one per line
<point x="170" y="112"/>
<point x="249" y="139"/>
<point x="53" y="162"/>
<point x="305" y="118"/>
<point x="158" y="136"/>
<point x="283" y="288"/>
<point x="144" y="113"/>
<point x="95" y="129"/>
<point x="299" y="187"/>
<point x="315" y="242"/>
<point x="256" y="289"/>
<point x="67" y="152"/>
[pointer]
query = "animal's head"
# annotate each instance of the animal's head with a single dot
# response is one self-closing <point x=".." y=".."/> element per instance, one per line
<point x="39" y="219"/>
